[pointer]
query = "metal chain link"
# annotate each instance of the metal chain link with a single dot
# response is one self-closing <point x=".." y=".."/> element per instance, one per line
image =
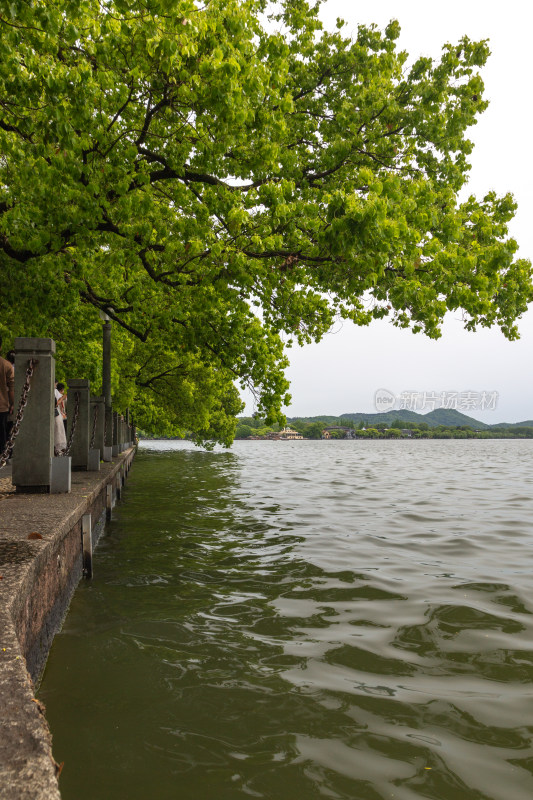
<point x="93" y="435"/>
<point x="77" y="398"/>
<point x="20" y="413"/>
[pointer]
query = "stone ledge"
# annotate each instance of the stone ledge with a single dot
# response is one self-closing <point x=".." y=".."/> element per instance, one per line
<point x="37" y="578"/>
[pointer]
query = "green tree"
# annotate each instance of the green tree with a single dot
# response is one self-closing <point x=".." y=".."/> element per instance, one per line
<point x="459" y="434"/>
<point x="402" y="424"/>
<point x="243" y="431"/>
<point x="314" y="430"/>
<point x="263" y="431"/>
<point x="299" y="425"/>
<point x="393" y="433"/>
<point x="214" y="183"/>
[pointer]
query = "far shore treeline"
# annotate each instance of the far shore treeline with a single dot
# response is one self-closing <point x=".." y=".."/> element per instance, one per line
<point x="227" y="179"/>
<point x="438" y="424"/>
<point x="401" y="424"/>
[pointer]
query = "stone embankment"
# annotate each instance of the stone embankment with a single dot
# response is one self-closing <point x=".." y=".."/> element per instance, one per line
<point x="45" y="547"/>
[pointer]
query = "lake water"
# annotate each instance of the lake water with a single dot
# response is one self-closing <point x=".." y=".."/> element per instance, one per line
<point x="300" y="620"/>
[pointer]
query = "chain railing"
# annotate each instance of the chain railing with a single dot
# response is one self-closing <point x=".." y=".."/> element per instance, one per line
<point x="20" y="412"/>
<point x="93" y="434"/>
<point x="67" y="449"/>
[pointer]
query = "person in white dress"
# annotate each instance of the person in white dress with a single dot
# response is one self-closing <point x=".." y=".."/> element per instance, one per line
<point x="60" y="439"/>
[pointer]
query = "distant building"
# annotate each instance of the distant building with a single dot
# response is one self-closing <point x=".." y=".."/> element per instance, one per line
<point x="349" y="433"/>
<point x="289" y="434"/>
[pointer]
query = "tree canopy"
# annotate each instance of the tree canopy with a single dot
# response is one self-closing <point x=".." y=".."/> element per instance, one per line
<point x="225" y="177"/>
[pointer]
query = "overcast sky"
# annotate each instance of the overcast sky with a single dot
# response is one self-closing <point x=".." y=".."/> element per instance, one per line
<point x="343" y="372"/>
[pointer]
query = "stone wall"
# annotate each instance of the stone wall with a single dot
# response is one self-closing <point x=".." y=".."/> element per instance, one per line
<point x="40" y="566"/>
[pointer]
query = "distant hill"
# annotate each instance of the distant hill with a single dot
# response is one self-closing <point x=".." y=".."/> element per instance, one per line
<point x="322" y="418"/>
<point x="527" y="424"/>
<point x="368" y="419"/>
<point x="451" y="417"/>
<point x="440" y="416"/>
<point x="385" y="416"/>
<point x="448" y="417"/>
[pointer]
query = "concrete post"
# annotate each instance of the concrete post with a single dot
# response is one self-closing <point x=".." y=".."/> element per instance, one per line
<point x="122" y="429"/>
<point x="100" y="421"/>
<point x="61" y="478"/>
<point x="34" y="447"/>
<point x="96" y="406"/>
<point x="128" y="428"/>
<point x="115" y="434"/>
<point x="108" y="448"/>
<point x="80" y="446"/>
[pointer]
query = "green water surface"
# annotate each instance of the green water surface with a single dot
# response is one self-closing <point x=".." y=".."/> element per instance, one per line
<point x="305" y="620"/>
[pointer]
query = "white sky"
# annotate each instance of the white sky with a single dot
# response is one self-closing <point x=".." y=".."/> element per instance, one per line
<point x="342" y="372"/>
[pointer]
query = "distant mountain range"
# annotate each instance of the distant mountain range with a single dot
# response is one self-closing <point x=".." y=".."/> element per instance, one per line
<point x="440" y="416"/>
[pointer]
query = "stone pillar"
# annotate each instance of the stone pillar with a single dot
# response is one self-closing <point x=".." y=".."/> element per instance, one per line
<point x="96" y="424"/>
<point x="115" y="434"/>
<point x="99" y="403"/>
<point x="108" y="448"/>
<point x="80" y="446"/>
<point x="34" y="446"/>
<point x="61" y="480"/>
<point x="128" y="428"/>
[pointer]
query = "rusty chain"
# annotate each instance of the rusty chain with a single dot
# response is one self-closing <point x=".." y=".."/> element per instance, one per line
<point x="93" y="434"/>
<point x="77" y="398"/>
<point x="20" y="412"/>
